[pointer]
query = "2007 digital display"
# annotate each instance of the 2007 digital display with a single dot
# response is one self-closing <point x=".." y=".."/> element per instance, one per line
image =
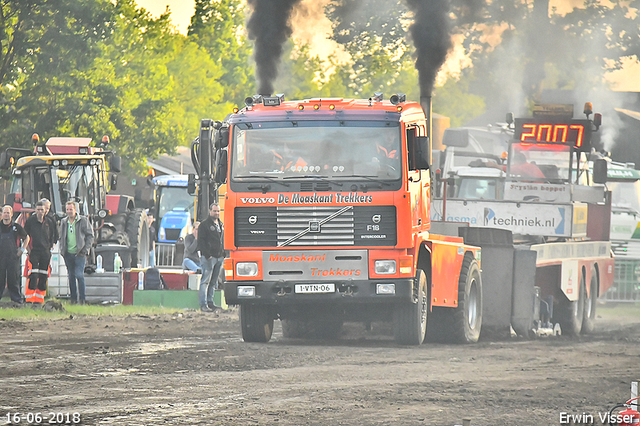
<point x="576" y="133"/>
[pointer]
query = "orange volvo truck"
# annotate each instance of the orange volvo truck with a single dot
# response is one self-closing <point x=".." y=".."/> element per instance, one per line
<point x="327" y="220"/>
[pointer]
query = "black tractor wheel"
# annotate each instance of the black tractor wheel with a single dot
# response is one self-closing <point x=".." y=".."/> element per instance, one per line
<point x="410" y="319"/>
<point x="467" y="317"/>
<point x="256" y="322"/>
<point x="138" y="232"/>
<point x="571" y="313"/>
<point x="591" y="301"/>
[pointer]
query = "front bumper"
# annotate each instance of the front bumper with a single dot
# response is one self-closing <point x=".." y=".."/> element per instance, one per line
<point x="346" y="292"/>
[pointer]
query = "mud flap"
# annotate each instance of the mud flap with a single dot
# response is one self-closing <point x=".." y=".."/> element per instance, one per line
<point x="524" y="293"/>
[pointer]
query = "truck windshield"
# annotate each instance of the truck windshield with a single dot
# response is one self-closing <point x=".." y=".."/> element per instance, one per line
<point x="539" y="162"/>
<point x="174" y="198"/>
<point x="625" y="195"/>
<point x="74" y="183"/>
<point x="332" y="149"/>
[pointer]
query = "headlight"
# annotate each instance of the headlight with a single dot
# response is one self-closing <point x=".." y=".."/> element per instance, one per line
<point x="385" y="289"/>
<point x="385" y="267"/>
<point x="246" y="269"/>
<point x="162" y="235"/>
<point x="246" y="291"/>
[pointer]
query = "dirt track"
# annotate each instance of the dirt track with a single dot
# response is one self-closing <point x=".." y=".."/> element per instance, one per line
<point x="193" y="369"/>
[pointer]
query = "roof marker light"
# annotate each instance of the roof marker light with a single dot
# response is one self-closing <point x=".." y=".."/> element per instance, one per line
<point x="301" y="107"/>
<point x="316" y="107"/>
<point x="332" y="107"/>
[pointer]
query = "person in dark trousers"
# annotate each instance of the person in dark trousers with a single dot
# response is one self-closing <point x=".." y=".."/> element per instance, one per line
<point x="13" y="243"/>
<point x="76" y="239"/>
<point x="42" y="232"/>
<point x="191" y="260"/>
<point x="211" y="246"/>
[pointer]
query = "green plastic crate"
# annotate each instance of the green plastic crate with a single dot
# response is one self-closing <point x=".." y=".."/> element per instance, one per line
<point x="181" y="299"/>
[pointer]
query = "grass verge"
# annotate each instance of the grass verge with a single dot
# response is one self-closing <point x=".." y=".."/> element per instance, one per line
<point x="63" y="309"/>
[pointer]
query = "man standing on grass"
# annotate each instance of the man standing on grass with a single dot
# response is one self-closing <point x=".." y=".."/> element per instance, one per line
<point x="42" y="233"/>
<point x="11" y="250"/>
<point x="211" y="246"/>
<point x="76" y="238"/>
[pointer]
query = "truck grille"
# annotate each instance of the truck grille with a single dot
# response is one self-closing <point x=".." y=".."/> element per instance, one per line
<point x="315" y="226"/>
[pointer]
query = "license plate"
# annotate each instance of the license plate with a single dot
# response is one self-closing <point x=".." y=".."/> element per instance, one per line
<point x="315" y="288"/>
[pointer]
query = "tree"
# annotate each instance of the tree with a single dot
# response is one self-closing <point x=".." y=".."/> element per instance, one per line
<point x="217" y="26"/>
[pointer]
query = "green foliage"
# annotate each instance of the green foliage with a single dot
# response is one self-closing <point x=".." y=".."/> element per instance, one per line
<point x="454" y="101"/>
<point x="216" y="26"/>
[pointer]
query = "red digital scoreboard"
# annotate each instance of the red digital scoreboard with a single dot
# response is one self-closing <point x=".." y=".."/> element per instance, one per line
<point x="572" y="132"/>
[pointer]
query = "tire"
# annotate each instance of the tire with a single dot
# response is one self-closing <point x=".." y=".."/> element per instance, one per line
<point x="410" y="319"/>
<point x="590" y="303"/>
<point x="467" y="316"/>
<point x="138" y="231"/>
<point x="256" y="322"/>
<point x="571" y="313"/>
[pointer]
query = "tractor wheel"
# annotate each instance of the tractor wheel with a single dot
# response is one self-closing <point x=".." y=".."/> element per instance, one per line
<point x="591" y="301"/>
<point x="410" y="319"/>
<point x="138" y="232"/>
<point x="571" y="313"/>
<point x="256" y="322"/>
<point x="467" y="316"/>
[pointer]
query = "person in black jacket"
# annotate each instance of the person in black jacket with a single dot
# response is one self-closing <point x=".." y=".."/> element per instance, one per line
<point x="211" y="246"/>
<point x="42" y="232"/>
<point x="11" y="250"/>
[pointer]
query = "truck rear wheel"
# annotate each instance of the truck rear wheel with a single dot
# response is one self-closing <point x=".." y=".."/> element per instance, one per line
<point x="256" y="322"/>
<point x="571" y="313"/>
<point x="138" y="232"/>
<point x="410" y="320"/>
<point x="467" y="316"/>
<point x="591" y="300"/>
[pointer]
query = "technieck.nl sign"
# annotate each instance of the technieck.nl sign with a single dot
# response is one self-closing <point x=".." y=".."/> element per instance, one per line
<point x="307" y="198"/>
<point x="520" y="218"/>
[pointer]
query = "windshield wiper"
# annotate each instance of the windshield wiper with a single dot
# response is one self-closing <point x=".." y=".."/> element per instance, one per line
<point x="321" y="177"/>
<point x="269" y="178"/>
<point x="369" y="178"/>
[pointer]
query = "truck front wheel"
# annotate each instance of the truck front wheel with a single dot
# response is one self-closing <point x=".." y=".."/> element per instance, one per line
<point x="410" y="320"/>
<point x="256" y="322"/>
<point x="467" y="316"/>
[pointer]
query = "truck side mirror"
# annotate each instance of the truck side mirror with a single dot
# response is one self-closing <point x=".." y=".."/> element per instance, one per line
<point x="424" y="152"/>
<point x="114" y="182"/>
<point x="221" y="138"/>
<point x="221" y="167"/>
<point x="5" y="161"/>
<point x="600" y="171"/>
<point x="456" y="137"/>
<point x="115" y="163"/>
<point x="191" y="184"/>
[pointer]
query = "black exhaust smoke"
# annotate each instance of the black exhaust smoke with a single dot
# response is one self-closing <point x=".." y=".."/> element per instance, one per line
<point x="269" y="25"/>
<point x="431" y="38"/>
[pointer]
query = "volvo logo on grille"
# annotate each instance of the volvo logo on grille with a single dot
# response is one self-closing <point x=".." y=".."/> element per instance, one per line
<point x="253" y="220"/>
<point x="314" y="226"/>
<point x="376" y="218"/>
